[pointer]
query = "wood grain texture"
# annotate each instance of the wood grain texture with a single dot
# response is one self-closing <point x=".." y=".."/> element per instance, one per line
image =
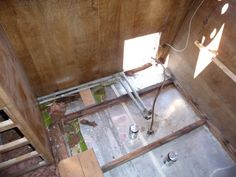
<point x="1" y="104"/>
<point x="6" y="125"/>
<point x="18" y="159"/>
<point x="84" y="164"/>
<point x="21" y="105"/>
<point x="70" y="167"/>
<point x="65" y="43"/>
<point x="13" y="145"/>
<point x="87" y="97"/>
<point x="213" y="91"/>
<point x="89" y="164"/>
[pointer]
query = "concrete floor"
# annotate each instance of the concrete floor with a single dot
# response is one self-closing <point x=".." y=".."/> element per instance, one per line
<point x="199" y="153"/>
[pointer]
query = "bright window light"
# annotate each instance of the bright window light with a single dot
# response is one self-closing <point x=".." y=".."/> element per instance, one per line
<point x="139" y="50"/>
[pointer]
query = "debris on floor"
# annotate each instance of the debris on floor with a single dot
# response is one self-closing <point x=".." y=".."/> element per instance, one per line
<point x="89" y="123"/>
<point x="74" y="137"/>
<point x="99" y="93"/>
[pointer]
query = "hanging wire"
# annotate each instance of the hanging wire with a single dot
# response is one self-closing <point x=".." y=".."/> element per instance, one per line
<point x="189" y="31"/>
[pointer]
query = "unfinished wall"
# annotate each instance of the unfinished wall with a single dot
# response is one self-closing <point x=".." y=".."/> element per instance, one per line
<point x="65" y="43"/>
<point x="212" y="89"/>
<point x="18" y="100"/>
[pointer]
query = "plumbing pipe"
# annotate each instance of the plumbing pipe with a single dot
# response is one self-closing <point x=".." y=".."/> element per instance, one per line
<point x="76" y="89"/>
<point x="134" y="91"/>
<point x="132" y="97"/>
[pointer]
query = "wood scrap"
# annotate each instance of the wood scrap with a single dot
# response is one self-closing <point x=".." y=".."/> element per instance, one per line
<point x="89" y="123"/>
<point x="135" y="70"/>
<point x="87" y="97"/>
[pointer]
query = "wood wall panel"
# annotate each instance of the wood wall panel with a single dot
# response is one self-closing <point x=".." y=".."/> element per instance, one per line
<point x="212" y="89"/>
<point x="65" y="43"/>
<point x="1" y="104"/>
<point x="19" y="100"/>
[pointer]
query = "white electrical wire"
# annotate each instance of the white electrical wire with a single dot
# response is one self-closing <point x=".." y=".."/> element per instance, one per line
<point x="189" y="31"/>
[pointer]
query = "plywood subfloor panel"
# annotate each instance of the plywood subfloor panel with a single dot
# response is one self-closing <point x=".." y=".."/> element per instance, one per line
<point x="66" y="43"/>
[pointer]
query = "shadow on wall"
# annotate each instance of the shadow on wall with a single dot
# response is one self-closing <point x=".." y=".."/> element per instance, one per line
<point x="206" y="54"/>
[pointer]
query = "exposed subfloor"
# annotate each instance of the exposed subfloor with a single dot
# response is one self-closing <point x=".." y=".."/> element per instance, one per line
<point x="199" y="153"/>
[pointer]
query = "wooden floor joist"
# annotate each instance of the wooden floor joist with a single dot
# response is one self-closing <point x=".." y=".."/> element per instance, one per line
<point x="13" y="145"/>
<point x="19" y="159"/>
<point x="6" y="125"/>
<point x="101" y="106"/>
<point x="143" y="150"/>
<point x="27" y="170"/>
<point x="214" y="130"/>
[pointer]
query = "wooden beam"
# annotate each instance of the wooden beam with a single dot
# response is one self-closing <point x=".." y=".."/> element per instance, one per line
<point x="27" y="170"/>
<point x="224" y="68"/>
<point x="189" y="99"/>
<point x="223" y="141"/>
<point x="214" y="130"/>
<point x="19" y="159"/>
<point x="6" y="125"/>
<point x="135" y="70"/>
<point x="13" y="145"/>
<point x="101" y="106"/>
<point x="217" y="61"/>
<point x="143" y="150"/>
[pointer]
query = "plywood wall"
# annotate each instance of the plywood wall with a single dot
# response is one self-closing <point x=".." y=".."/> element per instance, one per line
<point x="18" y="100"/>
<point x="213" y="91"/>
<point x="64" y="43"/>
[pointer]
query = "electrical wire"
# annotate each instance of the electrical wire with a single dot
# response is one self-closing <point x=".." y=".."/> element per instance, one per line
<point x="151" y="131"/>
<point x="189" y="31"/>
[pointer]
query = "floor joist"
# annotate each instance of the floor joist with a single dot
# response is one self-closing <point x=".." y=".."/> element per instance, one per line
<point x="214" y="130"/>
<point x="101" y="106"/>
<point x="27" y="170"/>
<point x="143" y="150"/>
<point x="13" y="145"/>
<point x="6" y="125"/>
<point x="19" y="159"/>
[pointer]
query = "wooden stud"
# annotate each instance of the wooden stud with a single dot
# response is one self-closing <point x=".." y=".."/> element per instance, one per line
<point x="6" y="125"/>
<point x="27" y="170"/>
<point x="143" y="150"/>
<point x="13" y="145"/>
<point x="214" y="130"/>
<point x="223" y="141"/>
<point x="19" y="159"/>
